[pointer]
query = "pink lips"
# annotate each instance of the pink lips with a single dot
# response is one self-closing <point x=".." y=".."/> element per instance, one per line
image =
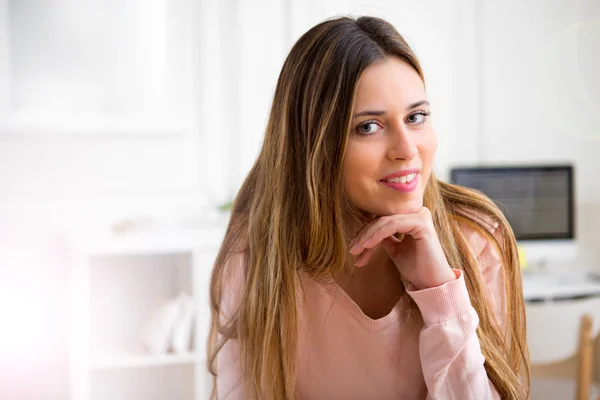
<point x="402" y="187"/>
<point x="401" y="173"/>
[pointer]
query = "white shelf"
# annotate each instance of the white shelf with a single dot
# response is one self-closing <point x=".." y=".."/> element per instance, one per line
<point x="118" y="281"/>
<point x="144" y="360"/>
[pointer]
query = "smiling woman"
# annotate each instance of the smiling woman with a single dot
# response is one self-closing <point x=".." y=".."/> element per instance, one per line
<point x="348" y="271"/>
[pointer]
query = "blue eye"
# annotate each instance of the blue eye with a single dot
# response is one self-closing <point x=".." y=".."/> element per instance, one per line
<point x="368" y="128"/>
<point x="418" y="118"/>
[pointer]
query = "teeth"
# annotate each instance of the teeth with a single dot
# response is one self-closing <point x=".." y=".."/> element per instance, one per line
<point x="403" y="179"/>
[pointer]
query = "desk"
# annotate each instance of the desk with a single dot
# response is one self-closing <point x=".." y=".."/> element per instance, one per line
<point x="554" y="287"/>
<point x="554" y="305"/>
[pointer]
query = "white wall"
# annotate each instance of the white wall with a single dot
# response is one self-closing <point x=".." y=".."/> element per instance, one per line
<point x="540" y="94"/>
<point x="541" y="88"/>
<point x="50" y="173"/>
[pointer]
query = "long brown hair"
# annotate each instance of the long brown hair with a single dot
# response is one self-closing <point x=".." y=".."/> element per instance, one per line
<point x="288" y="216"/>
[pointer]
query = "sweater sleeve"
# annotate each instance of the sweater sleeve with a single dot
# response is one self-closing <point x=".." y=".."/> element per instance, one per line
<point x="230" y="385"/>
<point x="451" y="358"/>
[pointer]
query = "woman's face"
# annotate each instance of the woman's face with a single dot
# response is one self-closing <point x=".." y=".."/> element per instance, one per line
<point x="391" y="141"/>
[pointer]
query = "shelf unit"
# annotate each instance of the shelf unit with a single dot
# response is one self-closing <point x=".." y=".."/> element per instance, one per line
<point x="117" y="281"/>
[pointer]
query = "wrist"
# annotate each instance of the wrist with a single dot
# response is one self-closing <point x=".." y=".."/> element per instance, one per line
<point x="434" y="279"/>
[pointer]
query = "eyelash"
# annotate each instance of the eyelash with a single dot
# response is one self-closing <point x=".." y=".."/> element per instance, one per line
<point x="425" y="114"/>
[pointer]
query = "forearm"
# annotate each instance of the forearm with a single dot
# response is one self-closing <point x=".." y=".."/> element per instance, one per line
<point x="451" y="358"/>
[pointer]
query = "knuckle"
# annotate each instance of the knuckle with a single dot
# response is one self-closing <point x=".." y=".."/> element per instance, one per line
<point x="426" y="212"/>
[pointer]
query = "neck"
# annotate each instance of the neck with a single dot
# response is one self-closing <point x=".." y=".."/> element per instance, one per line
<point x="375" y="287"/>
<point x="380" y="267"/>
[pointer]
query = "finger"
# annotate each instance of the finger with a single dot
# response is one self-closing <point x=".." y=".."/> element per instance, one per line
<point x="360" y="234"/>
<point x="363" y="258"/>
<point x="398" y="236"/>
<point x="365" y="233"/>
<point x="367" y="224"/>
<point x="405" y="225"/>
<point x="416" y="222"/>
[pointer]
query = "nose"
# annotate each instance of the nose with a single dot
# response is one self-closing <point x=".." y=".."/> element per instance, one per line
<point x="401" y="143"/>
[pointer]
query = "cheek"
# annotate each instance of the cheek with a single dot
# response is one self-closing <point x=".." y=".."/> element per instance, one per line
<point x="359" y="159"/>
<point x="428" y="150"/>
<point x="360" y="164"/>
<point x="431" y="143"/>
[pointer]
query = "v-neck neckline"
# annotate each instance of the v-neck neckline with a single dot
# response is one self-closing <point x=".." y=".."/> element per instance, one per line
<point x="374" y="325"/>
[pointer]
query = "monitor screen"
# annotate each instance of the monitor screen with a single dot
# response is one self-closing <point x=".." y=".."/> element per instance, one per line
<point x="537" y="200"/>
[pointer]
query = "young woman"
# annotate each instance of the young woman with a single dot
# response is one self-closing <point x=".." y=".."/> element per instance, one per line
<point x="348" y="271"/>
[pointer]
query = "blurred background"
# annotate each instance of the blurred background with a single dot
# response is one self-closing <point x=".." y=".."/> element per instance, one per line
<point x="126" y="128"/>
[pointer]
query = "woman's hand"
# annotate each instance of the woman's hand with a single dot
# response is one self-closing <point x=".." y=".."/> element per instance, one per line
<point x="411" y="242"/>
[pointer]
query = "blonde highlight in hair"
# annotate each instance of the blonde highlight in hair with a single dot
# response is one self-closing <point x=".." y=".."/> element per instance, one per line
<point x="288" y="216"/>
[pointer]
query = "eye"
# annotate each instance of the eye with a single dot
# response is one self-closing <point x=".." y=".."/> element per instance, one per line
<point x="368" y="127"/>
<point x="418" y="118"/>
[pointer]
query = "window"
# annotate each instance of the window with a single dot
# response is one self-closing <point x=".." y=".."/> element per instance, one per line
<point x="95" y="66"/>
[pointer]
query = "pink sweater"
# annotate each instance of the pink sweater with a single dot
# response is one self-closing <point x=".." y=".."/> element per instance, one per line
<point x="343" y="354"/>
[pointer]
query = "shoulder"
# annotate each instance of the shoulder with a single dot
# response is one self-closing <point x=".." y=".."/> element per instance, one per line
<point x="232" y="280"/>
<point x="233" y="268"/>
<point x="233" y="257"/>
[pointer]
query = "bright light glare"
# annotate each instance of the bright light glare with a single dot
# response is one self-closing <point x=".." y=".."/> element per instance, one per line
<point x="23" y="325"/>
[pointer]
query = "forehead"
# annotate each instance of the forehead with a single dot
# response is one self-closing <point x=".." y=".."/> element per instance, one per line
<point x="392" y="81"/>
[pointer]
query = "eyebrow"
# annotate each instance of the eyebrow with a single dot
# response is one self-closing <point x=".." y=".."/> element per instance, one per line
<point x="380" y="112"/>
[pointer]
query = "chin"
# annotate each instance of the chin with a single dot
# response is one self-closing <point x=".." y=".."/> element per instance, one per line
<point x="407" y="207"/>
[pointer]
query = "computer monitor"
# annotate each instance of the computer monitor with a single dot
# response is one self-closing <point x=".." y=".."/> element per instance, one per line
<point x="538" y="202"/>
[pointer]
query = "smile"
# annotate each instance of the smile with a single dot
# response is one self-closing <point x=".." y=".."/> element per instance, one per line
<point x="402" y="179"/>
<point x="403" y="184"/>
